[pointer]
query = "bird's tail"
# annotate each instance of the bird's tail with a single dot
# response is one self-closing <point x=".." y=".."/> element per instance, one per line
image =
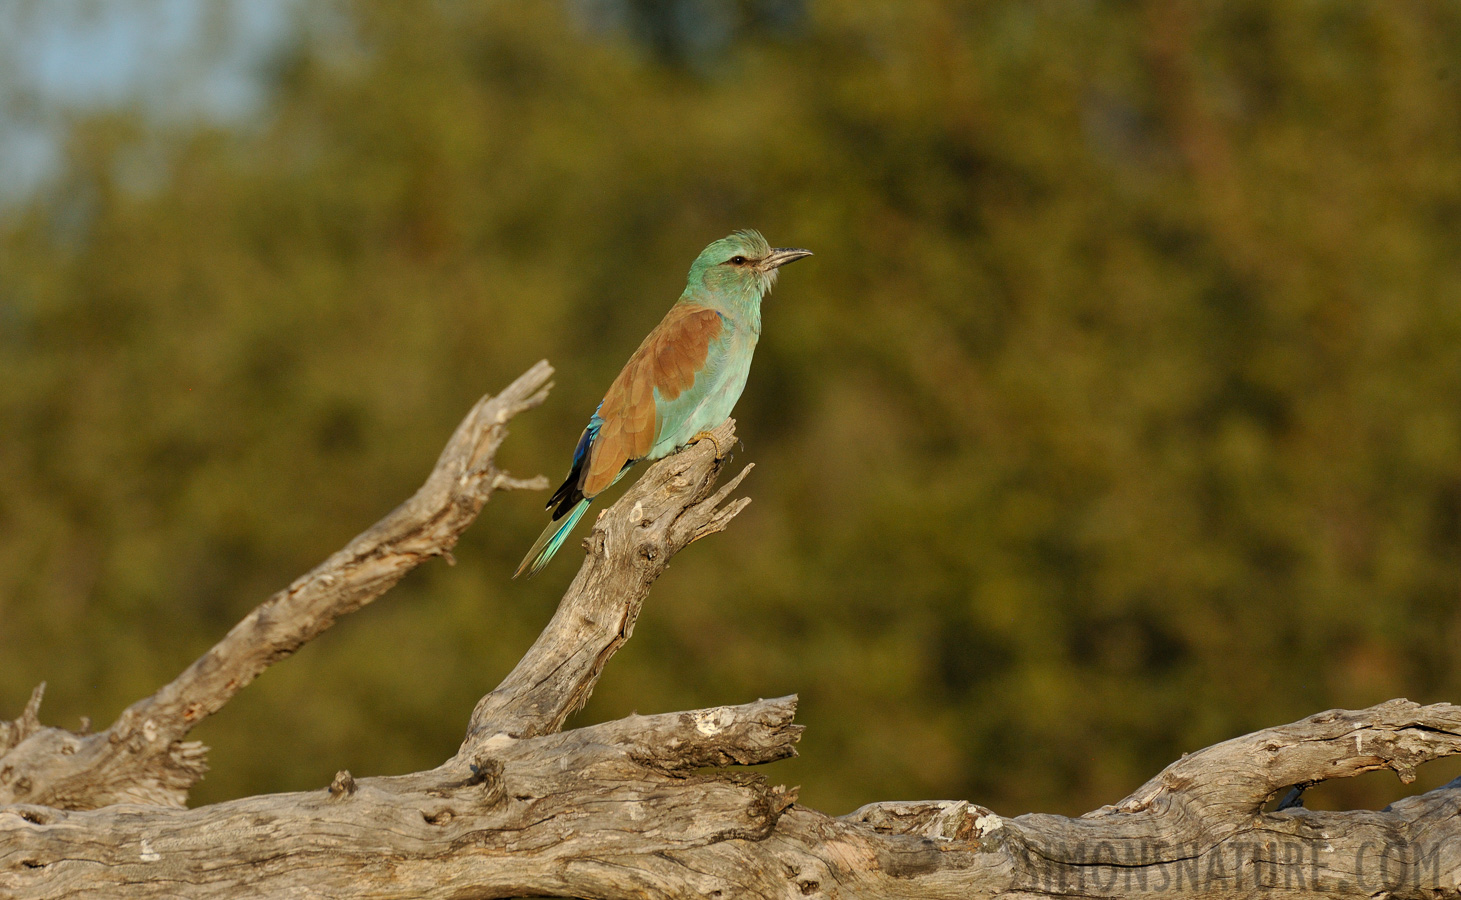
<point x="550" y="540"/>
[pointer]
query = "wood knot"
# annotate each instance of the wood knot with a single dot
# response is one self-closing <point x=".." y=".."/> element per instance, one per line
<point x="486" y="773"/>
<point x="485" y="770"/>
<point x="343" y="785"/>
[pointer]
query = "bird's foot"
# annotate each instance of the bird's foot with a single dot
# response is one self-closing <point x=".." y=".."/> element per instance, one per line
<point x="719" y="453"/>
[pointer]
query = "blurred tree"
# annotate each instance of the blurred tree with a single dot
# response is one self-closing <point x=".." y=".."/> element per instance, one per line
<point x="1115" y="416"/>
<point x="691" y="33"/>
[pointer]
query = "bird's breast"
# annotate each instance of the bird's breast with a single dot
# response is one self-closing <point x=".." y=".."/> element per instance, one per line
<point x="713" y="396"/>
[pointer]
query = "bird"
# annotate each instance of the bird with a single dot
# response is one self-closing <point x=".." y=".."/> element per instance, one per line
<point x="683" y="380"/>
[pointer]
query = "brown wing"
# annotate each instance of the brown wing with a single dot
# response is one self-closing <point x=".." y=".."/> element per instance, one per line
<point x="668" y="359"/>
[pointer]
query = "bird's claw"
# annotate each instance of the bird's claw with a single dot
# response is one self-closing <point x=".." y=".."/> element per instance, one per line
<point x="719" y="453"/>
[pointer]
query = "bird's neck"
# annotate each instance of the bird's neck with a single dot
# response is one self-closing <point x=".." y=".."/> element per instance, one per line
<point x="742" y="308"/>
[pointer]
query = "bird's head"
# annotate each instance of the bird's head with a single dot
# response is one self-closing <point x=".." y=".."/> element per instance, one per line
<point x="742" y="265"/>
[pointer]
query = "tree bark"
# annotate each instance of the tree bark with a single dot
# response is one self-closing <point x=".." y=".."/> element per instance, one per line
<point x="625" y="808"/>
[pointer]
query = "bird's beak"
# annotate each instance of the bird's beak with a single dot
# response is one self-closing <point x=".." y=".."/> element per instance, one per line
<point x="780" y="256"/>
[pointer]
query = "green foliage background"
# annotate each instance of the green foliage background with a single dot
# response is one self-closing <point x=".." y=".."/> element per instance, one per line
<point x="1118" y="413"/>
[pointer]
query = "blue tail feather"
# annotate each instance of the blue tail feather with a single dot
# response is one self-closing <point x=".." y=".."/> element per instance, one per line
<point x="550" y="540"/>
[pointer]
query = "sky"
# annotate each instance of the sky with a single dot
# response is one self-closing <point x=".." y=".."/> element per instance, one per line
<point x="172" y="58"/>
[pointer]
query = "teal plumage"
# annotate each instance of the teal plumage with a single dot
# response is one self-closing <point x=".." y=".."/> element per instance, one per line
<point x="682" y="381"/>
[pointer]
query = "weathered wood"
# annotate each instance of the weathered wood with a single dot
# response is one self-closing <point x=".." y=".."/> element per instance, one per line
<point x="142" y="758"/>
<point x="623" y="809"/>
<point x="616" y="810"/>
<point x="502" y="823"/>
<point x="656" y="518"/>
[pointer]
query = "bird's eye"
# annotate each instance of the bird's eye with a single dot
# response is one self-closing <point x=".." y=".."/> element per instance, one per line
<point x="738" y="260"/>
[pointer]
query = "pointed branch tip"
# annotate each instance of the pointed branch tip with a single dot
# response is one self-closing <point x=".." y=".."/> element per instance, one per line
<point x="506" y="482"/>
<point x="31" y="713"/>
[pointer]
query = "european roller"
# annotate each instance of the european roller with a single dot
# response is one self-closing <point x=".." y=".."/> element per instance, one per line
<point x="682" y="381"/>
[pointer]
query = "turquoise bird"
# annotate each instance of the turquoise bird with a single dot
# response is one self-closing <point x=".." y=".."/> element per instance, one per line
<point x="681" y="382"/>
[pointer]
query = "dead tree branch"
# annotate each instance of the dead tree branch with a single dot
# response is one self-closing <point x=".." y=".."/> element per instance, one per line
<point x="623" y="809"/>
<point x="142" y="757"/>
<point x="627" y="551"/>
<point x="616" y="810"/>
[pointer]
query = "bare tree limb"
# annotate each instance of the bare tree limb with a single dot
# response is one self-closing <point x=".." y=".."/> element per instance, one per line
<point x="622" y="809"/>
<point x="673" y="504"/>
<point x="1398" y="735"/>
<point x="142" y="757"/>
<point x="12" y="733"/>
<point x="500" y="825"/>
<point x="616" y="810"/>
